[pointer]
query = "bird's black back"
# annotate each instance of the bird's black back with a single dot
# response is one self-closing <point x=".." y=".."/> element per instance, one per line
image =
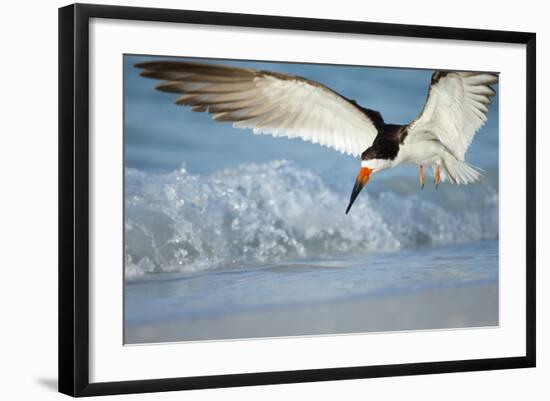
<point x="387" y="142"/>
<point x="389" y="137"/>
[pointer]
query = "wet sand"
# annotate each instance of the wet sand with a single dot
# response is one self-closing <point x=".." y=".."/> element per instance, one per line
<point x="442" y="308"/>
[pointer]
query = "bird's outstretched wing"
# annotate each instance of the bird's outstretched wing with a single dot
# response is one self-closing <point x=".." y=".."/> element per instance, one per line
<point x="269" y="103"/>
<point x="455" y="109"/>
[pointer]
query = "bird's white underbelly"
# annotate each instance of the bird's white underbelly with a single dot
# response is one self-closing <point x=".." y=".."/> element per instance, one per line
<point x="422" y="153"/>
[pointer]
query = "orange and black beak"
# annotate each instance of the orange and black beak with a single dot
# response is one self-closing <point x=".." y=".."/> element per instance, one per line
<point x="362" y="178"/>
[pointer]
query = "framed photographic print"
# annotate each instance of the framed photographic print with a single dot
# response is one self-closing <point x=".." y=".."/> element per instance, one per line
<point x="250" y="199"/>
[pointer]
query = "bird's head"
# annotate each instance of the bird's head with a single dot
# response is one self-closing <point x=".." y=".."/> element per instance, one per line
<point x="369" y="164"/>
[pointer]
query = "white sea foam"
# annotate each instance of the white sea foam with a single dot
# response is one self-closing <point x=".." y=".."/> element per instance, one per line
<point x="264" y="213"/>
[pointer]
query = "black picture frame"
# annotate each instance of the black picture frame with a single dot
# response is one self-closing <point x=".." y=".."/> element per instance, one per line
<point x="74" y="199"/>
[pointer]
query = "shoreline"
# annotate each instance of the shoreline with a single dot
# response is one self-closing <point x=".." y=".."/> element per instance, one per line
<point x="442" y="308"/>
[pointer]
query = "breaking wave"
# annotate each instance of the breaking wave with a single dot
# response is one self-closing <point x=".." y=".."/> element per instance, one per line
<point x="264" y="213"/>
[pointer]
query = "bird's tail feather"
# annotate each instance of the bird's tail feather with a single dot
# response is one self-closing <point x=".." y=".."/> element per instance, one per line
<point x="461" y="173"/>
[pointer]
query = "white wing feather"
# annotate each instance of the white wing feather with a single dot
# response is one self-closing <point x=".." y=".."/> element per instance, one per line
<point x="455" y="109"/>
<point x="269" y="103"/>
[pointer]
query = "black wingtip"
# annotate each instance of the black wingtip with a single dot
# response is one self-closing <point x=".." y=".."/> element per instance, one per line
<point x="143" y="64"/>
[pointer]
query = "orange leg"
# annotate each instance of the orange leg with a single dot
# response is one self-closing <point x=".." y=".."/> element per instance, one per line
<point x="437" y="175"/>
<point x="421" y="176"/>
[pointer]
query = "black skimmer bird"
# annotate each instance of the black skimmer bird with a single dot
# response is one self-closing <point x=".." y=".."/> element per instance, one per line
<point x="294" y="107"/>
